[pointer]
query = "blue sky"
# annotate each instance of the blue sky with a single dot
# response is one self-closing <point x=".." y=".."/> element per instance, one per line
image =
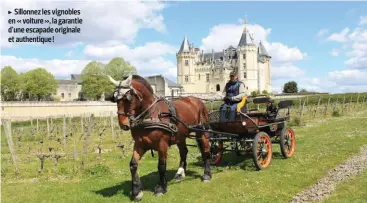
<point x="305" y="39"/>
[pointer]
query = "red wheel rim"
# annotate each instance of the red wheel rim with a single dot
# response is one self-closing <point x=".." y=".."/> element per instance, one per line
<point x="216" y="158"/>
<point x="264" y="151"/>
<point x="289" y="142"/>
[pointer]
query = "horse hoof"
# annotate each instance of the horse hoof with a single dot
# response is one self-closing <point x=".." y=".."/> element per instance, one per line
<point x="158" y="194"/>
<point x="206" y="178"/>
<point x="179" y="177"/>
<point x="159" y="191"/>
<point x="138" y="197"/>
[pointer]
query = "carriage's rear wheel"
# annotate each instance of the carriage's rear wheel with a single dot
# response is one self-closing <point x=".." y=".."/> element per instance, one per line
<point x="287" y="142"/>
<point x="262" y="150"/>
<point x="216" y="152"/>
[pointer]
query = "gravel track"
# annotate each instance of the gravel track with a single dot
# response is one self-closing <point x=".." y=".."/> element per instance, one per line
<point x="327" y="184"/>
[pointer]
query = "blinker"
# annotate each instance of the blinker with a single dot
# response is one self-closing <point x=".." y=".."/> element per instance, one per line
<point x="129" y="97"/>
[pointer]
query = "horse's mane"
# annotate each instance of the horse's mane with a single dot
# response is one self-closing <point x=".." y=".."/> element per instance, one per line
<point x="142" y="81"/>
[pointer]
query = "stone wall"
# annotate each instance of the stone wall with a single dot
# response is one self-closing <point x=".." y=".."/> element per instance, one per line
<point x="27" y="110"/>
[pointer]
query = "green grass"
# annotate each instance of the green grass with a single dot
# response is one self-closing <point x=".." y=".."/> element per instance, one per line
<point x="353" y="190"/>
<point x="321" y="145"/>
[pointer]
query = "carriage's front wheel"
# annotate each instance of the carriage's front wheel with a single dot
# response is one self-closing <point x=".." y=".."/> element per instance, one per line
<point x="262" y="150"/>
<point x="216" y="152"/>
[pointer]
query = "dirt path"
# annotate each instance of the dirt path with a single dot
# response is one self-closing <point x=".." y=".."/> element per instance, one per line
<point x="327" y="184"/>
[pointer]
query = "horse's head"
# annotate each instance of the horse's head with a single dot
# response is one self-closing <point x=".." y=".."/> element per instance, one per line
<point x="131" y="98"/>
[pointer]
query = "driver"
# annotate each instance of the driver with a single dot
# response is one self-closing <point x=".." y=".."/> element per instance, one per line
<point x="234" y="91"/>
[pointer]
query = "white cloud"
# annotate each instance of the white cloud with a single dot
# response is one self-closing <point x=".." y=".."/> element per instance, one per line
<point x="338" y="81"/>
<point x="334" y="52"/>
<point x="102" y="21"/>
<point x="286" y="71"/>
<point x="349" y="77"/>
<point x="155" y="63"/>
<point x="69" y="54"/>
<point x="223" y="35"/>
<point x="363" y="20"/>
<point x="339" y="37"/>
<point x="146" y="52"/>
<point x="59" y="68"/>
<point x="322" y="32"/>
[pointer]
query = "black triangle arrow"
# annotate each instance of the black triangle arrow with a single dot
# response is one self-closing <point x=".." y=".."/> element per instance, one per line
<point x="9" y="12"/>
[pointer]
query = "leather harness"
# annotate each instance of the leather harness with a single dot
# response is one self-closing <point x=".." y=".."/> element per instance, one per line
<point x="143" y="121"/>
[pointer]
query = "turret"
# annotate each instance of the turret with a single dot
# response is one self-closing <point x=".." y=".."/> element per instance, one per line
<point x="185" y="63"/>
<point x="247" y="60"/>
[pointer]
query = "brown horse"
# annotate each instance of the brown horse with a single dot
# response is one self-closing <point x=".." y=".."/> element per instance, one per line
<point x="141" y="112"/>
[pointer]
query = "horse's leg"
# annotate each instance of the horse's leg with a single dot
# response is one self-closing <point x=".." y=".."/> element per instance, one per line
<point x="137" y="190"/>
<point x="204" y="146"/>
<point x="161" y="188"/>
<point x="180" y="175"/>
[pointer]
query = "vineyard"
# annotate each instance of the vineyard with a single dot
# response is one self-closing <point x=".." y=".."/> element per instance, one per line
<point x="87" y="146"/>
<point x="54" y="145"/>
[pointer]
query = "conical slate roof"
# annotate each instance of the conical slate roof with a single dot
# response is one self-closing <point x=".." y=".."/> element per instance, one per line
<point x="184" y="46"/>
<point x="262" y="51"/>
<point x="246" y="38"/>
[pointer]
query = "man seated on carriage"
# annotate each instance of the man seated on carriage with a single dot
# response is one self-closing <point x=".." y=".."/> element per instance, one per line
<point x="234" y="92"/>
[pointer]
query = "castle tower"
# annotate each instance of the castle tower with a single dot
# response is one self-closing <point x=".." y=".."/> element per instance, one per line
<point x="264" y="68"/>
<point x="185" y="63"/>
<point x="247" y="68"/>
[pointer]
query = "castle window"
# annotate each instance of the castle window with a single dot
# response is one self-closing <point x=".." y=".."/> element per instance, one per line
<point x="207" y="77"/>
<point x="62" y="95"/>
<point x="244" y="65"/>
<point x="221" y="58"/>
<point x="218" y="88"/>
<point x="69" y="95"/>
<point x="199" y="76"/>
<point x="186" y="62"/>
<point x="244" y="56"/>
<point x="186" y="78"/>
<point x="244" y="75"/>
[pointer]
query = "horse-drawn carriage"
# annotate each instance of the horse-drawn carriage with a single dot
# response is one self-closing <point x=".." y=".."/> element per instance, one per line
<point x="157" y="123"/>
<point x="250" y="131"/>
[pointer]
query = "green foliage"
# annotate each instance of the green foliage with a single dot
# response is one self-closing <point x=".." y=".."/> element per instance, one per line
<point x="255" y="93"/>
<point x="117" y="68"/>
<point x="265" y="92"/>
<point x="295" y="121"/>
<point x="57" y="98"/>
<point x="10" y="84"/>
<point x="98" y="170"/>
<point x="94" y="81"/>
<point x="335" y="113"/>
<point x="290" y="87"/>
<point x="40" y="83"/>
<point x="303" y="91"/>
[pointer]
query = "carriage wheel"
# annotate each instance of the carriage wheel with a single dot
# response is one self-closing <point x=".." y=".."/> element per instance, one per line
<point x="216" y="152"/>
<point x="262" y="150"/>
<point x="287" y="142"/>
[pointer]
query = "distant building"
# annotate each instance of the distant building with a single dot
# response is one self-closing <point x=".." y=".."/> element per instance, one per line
<point x="200" y="72"/>
<point x="70" y="90"/>
<point x="163" y="86"/>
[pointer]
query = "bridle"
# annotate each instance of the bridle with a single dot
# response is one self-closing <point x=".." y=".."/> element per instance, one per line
<point x="133" y="118"/>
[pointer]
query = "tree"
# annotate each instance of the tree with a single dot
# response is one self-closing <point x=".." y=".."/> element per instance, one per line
<point x="303" y="90"/>
<point x="265" y="92"/>
<point x="40" y="83"/>
<point x="290" y="87"/>
<point x="10" y="84"/>
<point x="255" y="93"/>
<point x="94" y="81"/>
<point x="117" y="68"/>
